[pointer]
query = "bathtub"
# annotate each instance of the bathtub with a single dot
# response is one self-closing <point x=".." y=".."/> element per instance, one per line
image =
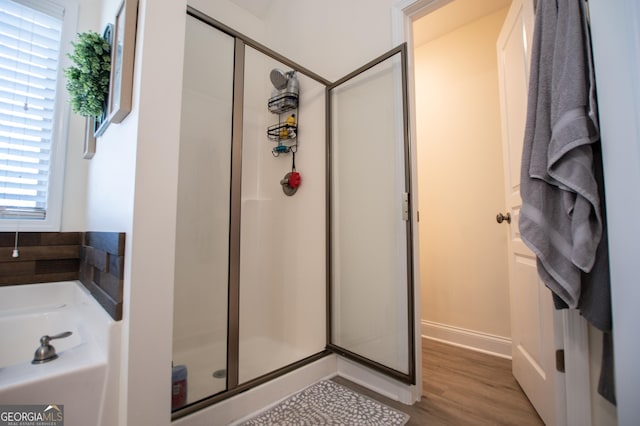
<point x="85" y="376"/>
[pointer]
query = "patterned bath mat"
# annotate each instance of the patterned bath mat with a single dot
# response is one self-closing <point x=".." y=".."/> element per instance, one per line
<point x="329" y="403"/>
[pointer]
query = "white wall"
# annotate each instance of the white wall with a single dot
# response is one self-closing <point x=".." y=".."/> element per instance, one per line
<point x="111" y="172"/>
<point x="325" y="37"/>
<point x="615" y="27"/>
<point x="463" y="265"/>
<point x="132" y="188"/>
<point x="331" y="38"/>
<point x="76" y="168"/>
<point x="234" y="16"/>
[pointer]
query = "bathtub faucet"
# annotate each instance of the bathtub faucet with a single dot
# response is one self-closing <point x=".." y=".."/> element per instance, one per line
<point x="46" y="352"/>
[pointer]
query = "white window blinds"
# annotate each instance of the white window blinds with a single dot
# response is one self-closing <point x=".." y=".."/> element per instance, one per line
<point x="30" y="33"/>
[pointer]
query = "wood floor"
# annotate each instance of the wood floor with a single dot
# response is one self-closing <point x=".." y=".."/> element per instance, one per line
<point x="463" y="387"/>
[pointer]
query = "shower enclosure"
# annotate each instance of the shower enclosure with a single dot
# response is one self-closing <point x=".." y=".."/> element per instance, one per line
<point x="265" y="282"/>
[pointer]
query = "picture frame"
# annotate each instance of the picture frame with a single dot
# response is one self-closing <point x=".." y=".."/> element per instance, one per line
<point x="89" y="139"/>
<point x="101" y="122"/>
<point x="122" y="60"/>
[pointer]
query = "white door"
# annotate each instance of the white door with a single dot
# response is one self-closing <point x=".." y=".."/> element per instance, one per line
<point x="535" y="326"/>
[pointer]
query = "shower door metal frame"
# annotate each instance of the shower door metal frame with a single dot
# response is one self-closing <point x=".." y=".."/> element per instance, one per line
<point x="410" y="376"/>
<point x="233" y="386"/>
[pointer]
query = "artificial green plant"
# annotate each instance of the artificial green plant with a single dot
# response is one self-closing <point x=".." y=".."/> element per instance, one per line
<point x="88" y="80"/>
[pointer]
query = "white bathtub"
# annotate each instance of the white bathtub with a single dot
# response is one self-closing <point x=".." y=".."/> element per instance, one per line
<point x="84" y="377"/>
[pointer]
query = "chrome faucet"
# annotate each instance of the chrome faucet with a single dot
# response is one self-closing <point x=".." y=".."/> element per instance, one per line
<point x="46" y="352"/>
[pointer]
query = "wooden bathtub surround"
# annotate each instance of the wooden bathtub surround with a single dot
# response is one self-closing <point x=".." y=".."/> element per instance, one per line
<point x="102" y="269"/>
<point x="94" y="258"/>
<point x="44" y="257"/>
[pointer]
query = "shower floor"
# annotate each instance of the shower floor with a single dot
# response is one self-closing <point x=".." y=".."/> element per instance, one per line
<point x="258" y="356"/>
<point x="202" y="362"/>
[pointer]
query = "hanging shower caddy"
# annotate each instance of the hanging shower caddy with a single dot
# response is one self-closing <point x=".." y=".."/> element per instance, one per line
<point x="284" y="103"/>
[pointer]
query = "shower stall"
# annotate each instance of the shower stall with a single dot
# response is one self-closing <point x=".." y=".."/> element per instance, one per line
<point x="267" y="281"/>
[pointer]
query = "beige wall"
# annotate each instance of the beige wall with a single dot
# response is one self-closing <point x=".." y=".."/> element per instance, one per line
<point x="463" y="261"/>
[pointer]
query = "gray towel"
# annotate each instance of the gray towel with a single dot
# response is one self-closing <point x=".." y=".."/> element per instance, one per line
<point x="560" y="218"/>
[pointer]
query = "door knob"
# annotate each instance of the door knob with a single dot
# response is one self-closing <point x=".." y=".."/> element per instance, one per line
<point x="500" y="217"/>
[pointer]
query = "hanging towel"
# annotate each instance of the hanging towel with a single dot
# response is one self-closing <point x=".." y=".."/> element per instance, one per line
<point x="560" y="219"/>
<point x="595" y="295"/>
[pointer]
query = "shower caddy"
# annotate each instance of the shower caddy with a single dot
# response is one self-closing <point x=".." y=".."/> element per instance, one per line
<point x="284" y="103"/>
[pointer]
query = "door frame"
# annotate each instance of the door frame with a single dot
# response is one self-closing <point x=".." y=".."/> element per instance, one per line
<point x="575" y="328"/>
<point x="615" y="33"/>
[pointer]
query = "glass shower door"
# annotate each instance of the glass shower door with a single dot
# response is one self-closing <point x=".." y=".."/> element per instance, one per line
<point x="250" y="268"/>
<point x="202" y="223"/>
<point x="369" y="218"/>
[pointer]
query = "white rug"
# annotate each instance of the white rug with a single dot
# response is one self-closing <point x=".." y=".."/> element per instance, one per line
<point x="329" y="403"/>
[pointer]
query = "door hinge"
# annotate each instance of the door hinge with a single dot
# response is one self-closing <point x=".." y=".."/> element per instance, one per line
<point x="405" y="206"/>
<point x="560" y="360"/>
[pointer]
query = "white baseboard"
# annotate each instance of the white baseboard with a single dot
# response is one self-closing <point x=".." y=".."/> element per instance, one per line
<point x="469" y="339"/>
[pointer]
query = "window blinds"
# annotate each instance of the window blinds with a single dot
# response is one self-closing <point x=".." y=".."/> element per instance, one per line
<point x="30" y="34"/>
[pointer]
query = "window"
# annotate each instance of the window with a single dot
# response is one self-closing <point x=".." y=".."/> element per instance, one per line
<point x="32" y="113"/>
